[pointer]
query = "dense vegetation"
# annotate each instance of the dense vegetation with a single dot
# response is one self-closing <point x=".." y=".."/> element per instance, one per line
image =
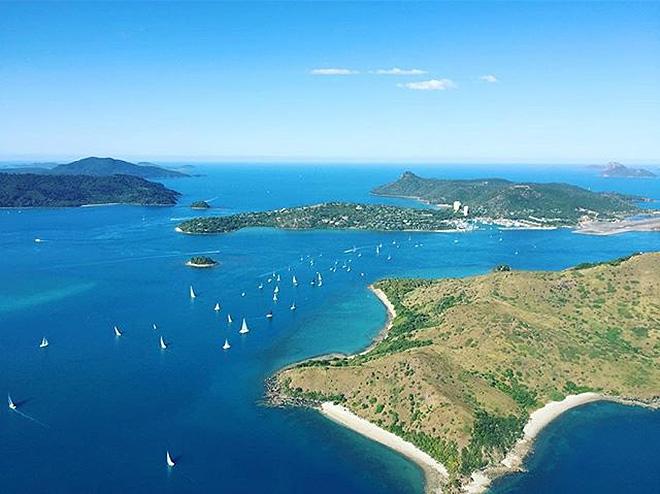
<point x="467" y="360"/>
<point x="336" y="215"/>
<point x="101" y="167"/>
<point x="496" y="199"/>
<point x="202" y="261"/>
<point x="31" y="190"/>
<point x="200" y="205"/>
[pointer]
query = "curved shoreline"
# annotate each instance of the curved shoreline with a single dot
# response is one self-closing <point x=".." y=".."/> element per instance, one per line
<point x="435" y="473"/>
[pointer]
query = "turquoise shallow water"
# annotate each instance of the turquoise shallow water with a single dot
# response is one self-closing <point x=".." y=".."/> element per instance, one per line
<point x="99" y="412"/>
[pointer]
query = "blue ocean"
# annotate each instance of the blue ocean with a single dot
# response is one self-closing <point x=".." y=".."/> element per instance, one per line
<point x="98" y="412"/>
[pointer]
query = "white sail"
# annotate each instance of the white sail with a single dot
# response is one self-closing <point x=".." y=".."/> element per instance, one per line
<point x="163" y="345"/>
<point x="244" y="327"/>
<point x="277" y="289"/>
<point x="278" y="278"/>
<point x="10" y="402"/>
<point x="377" y="250"/>
<point x="293" y="306"/>
<point x="192" y="292"/>
<point x="274" y="297"/>
<point x="154" y="326"/>
<point x="217" y="308"/>
<point x="229" y="319"/>
<point x="226" y="346"/>
<point x="117" y="331"/>
<point x="261" y="286"/>
<point x="170" y="461"/>
<point x="269" y="314"/>
<point x="295" y="281"/>
<point x="44" y="343"/>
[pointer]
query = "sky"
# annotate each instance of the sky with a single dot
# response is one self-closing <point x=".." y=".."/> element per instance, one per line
<point x="510" y="82"/>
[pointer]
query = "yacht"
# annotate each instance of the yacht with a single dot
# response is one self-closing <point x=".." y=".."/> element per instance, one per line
<point x="44" y="343"/>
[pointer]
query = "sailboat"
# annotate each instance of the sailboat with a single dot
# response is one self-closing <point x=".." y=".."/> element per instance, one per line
<point x="117" y="331"/>
<point x="269" y="314"/>
<point x="320" y="279"/>
<point x="293" y="306"/>
<point x="217" y="307"/>
<point x="377" y="250"/>
<point x="274" y="297"/>
<point x="295" y="281"/>
<point x="192" y="292"/>
<point x="10" y="402"/>
<point x="226" y="346"/>
<point x="44" y="343"/>
<point x="277" y="289"/>
<point x="163" y="345"/>
<point x="154" y="326"/>
<point x="278" y="278"/>
<point x="261" y="286"/>
<point x="229" y="319"/>
<point x="244" y="328"/>
<point x="389" y="258"/>
<point x="170" y="461"/>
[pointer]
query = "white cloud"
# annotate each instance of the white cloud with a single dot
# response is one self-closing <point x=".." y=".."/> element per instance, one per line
<point x="332" y="71"/>
<point x="430" y="85"/>
<point x="489" y="78"/>
<point x="398" y="71"/>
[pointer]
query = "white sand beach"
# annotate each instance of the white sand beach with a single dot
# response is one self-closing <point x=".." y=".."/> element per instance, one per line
<point x="537" y="421"/>
<point x="435" y="471"/>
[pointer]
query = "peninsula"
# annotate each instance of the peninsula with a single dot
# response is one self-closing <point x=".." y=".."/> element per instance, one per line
<point x="35" y="190"/>
<point x="331" y="215"/>
<point x="499" y="201"/>
<point x="469" y="370"/>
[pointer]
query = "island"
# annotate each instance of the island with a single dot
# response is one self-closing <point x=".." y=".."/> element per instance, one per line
<point x="201" y="262"/>
<point x="505" y="203"/>
<point x="200" y="205"/>
<point x="330" y="215"/>
<point x="100" y="167"/>
<point x="468" y="371"/>
<point x="616" y="170"/>
<point x="36" y="190"/>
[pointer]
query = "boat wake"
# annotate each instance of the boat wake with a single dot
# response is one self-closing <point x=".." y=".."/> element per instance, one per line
<point x="31" y="419"/>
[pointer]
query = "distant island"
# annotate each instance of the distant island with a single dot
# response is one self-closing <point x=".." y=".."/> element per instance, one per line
<point x="617" y="170"/>
<point x="499" y="201"/>
<point x="99" y="167"/>
<point x="36" y="190"/>
<point x="200" y="205"/>
<point x="468" y="371"/>
<point x="331" y="215"/>
<point x="201" y="262"/>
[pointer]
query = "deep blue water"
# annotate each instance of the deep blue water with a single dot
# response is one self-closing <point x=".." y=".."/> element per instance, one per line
<point x="98" y="413"/>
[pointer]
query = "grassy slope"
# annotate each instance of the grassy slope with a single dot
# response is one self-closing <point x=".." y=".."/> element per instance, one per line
<point x="494" y="348"/>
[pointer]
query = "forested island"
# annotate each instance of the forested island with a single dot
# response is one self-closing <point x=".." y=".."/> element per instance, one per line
<point x="200" y="205"/>
<point x="100" y="167"/>
<point x="37" y="190"/>
<point x="500" y="201"/>
<point x="465" y="362"/>
<point x="331" y="215"/>
<point x="201" y="262"/>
